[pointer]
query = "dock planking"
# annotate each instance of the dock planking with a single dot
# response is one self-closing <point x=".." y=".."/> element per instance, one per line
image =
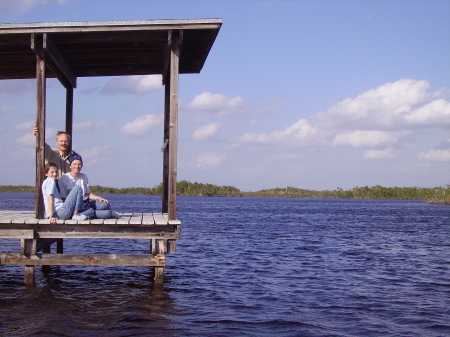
<point x="38" y="235"/>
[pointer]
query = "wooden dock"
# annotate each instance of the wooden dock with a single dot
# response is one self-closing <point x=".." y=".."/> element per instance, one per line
<point x="37" y="236"/>
<point x="66" y="51"/>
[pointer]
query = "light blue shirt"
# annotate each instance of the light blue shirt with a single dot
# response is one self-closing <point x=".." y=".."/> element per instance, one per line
<point x="49" y="188"/>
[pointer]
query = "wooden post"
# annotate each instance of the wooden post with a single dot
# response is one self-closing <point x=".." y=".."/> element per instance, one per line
<point x="69" y="114"/>
<point x="159" y="275"/>
<point x="36" y="45"/>
<point x="173" y="126"/>
<point x="170" y="79"/>
<point x="28" y="249"/>
<point x="165" y="185"/>
<point x="60" y="246"/>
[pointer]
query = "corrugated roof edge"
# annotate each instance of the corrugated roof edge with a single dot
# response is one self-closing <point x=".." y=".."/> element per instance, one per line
<point x="36" y="25"/>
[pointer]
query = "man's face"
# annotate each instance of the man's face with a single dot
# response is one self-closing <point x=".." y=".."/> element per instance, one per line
<point x="63" y="142"/>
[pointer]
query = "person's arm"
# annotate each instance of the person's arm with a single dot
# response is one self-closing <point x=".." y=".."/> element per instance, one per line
<point x="50" y="207"/>
<point x="48" y="150"/>
<point x="93" y="196"/>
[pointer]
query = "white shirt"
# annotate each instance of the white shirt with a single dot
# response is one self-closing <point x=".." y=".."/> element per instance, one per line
<point x="67" y="182"/>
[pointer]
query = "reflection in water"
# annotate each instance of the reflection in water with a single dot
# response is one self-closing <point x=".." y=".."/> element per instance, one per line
<point x="69" y="301"/>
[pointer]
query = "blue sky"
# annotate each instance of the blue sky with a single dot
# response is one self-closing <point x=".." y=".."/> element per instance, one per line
<point x="309" y="94"/>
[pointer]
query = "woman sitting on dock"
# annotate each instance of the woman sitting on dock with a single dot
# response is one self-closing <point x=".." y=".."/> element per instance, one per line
<point x="55" y="208"/>
<point x="92" y="202"/>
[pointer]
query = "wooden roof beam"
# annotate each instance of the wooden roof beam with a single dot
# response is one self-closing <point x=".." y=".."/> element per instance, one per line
<point x="63" y="72"/>
<point x="41" y="44"/>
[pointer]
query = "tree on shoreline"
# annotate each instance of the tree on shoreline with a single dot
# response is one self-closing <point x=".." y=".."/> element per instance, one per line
<point x="435" y="195"/>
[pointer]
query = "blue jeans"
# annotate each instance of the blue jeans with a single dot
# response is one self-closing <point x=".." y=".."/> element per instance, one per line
<point x="74" y="201"/>
<point x="102" y="209"/>
<point x="94" y="209"/>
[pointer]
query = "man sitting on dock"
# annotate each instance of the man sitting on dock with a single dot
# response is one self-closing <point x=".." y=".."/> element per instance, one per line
<point x="60" y="155"/>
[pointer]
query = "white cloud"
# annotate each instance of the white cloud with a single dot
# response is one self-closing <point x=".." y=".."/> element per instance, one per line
<point x="142" y="125"/>
<point x="89" y="125"/>
<point x="210" y="160"/>
<point x="219" y="104"/>
<point x="206" y="131"/>
<point x="386" y="107"/>
<point x="136" y="85"/>
<point x="379" y="154"/>
<point x="376" y="118"/>
<point x="435" y="113"/>
<point x="27" y="140"/>
<point x="27" y="126"/>
<point x="435" y="155"/>
<point x="367" y="138"/>
<point x="300" y="133"/>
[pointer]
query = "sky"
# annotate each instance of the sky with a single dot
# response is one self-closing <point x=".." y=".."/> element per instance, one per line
<point x="311" y="94"/>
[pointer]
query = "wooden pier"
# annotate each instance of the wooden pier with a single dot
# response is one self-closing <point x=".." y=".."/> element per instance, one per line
<point x="66" y="51"/>
<point x="37" y="236"/>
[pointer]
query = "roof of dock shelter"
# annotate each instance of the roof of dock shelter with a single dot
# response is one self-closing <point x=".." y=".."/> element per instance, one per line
<point x="107" y="48"/>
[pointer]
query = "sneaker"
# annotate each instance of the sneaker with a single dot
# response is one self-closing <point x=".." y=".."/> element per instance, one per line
<point x="79" y="217"/>
<point x="115" y="215"/>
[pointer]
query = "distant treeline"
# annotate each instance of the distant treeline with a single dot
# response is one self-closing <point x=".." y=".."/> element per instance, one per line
<point x="435" y="195"/>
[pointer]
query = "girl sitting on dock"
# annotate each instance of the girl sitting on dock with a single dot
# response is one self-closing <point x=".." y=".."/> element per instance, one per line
<point x="55" y="208"/>
<point x="99" y="206"/>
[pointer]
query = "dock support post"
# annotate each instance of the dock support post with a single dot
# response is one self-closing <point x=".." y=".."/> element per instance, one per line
<point x="36" y="45"/>
<point x="28" y="248"/>
<point x="159" y="275"/>
<point x="60" y="246"/>
<point x="158" y="247"/>
<point x="69" y="114"/>
<point x="170" y="80"/>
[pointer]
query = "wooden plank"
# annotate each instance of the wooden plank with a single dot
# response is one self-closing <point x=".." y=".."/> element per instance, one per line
<point x="136" y="219"/>
<point x="97" y="221"/>
<point x="171" y="222"/>
<point x="125" y="218"/>
<point x="160" y="246"/>
<point x="25" y="220"/>
<point x="171" y="246"/>
<point x="159" y="219"/>
<point x="148" y="219"/>
<point x="70" y="227"/>
<point x="84" y="259"/>
<point x="16" y="234"/>
<point x="108" y="235"/>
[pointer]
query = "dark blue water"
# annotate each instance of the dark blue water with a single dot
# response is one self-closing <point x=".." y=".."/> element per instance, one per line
<point x="250" y="267"/>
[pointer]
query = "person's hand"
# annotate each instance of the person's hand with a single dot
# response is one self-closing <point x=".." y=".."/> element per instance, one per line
<point x="53" y="220"/>
<point x="35" y="130"/>
<point x="103" y="200"/>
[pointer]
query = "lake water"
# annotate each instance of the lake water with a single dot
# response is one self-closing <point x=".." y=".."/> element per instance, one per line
<point x="250" y="267"/>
